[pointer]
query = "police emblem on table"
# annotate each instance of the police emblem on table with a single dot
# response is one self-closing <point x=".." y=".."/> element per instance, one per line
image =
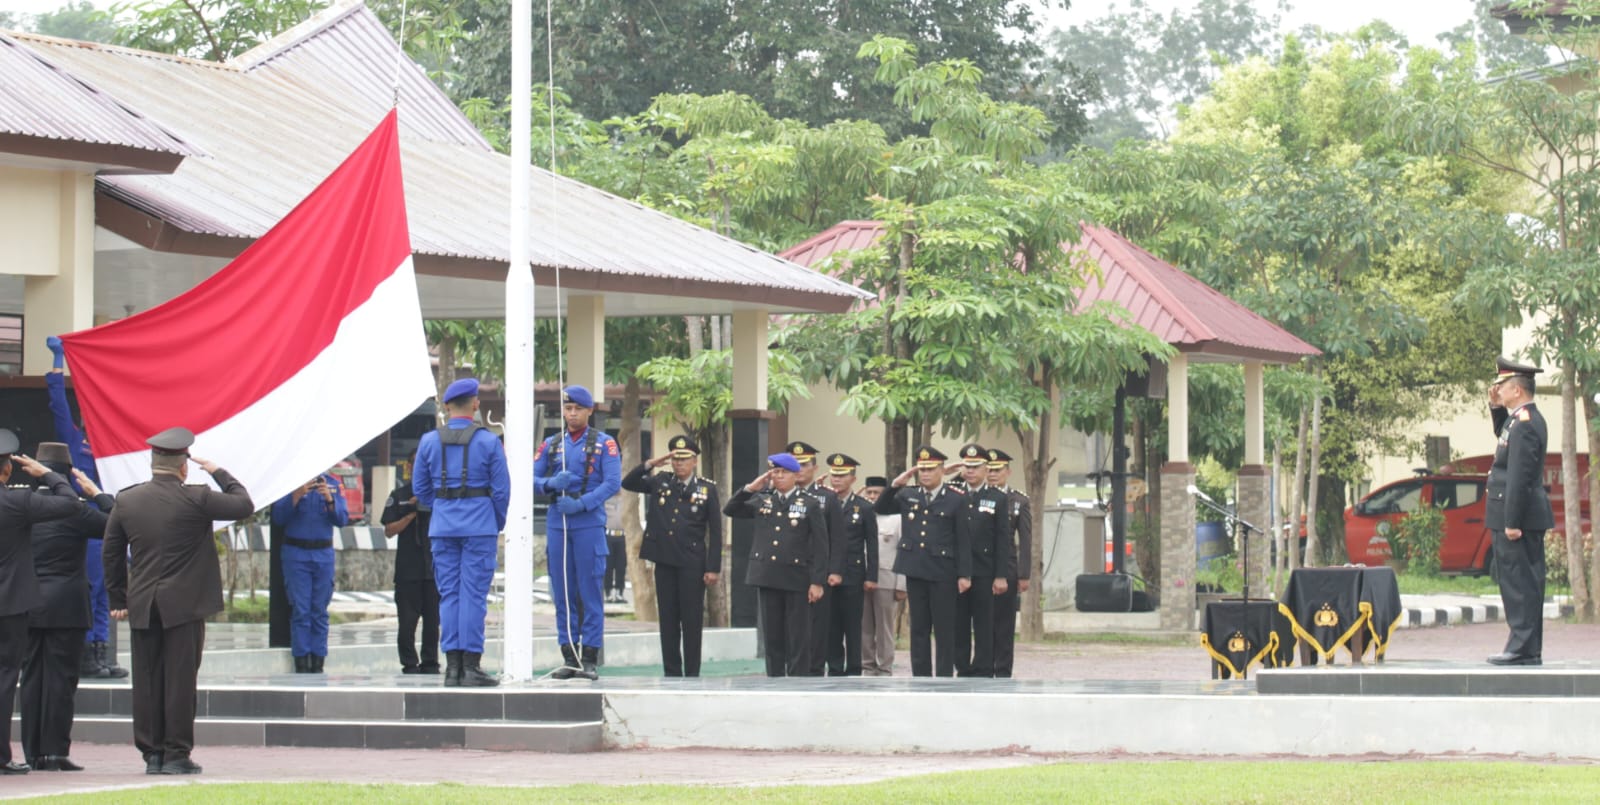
<point x="1238" y="644"/>
<point x="1326" y="617"/>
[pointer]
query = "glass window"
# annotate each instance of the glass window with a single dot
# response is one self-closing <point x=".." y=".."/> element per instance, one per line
<point x="1456" y="494"/>
<point x="1398" y="499"/>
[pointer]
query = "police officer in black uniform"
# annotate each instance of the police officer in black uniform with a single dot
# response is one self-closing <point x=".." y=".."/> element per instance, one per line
<point x="788" y="561"/>
<point x="20" y="510"/>
<point x="988" y="517"/>
<point x="416" y="591"/>
<point x="833" y="519"/>
<point x="935" y="556"/>
<point x="860" y="568"/>
<point x="1018" y="570"/>
<point x="1518" y="514"/>
<point x="683" y="537"/>
<point x="56" y="626"/>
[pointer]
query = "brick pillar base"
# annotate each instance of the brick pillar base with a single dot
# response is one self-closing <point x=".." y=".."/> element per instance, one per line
<point x="1177" y="547"/>
<point x="1253" y="490"/>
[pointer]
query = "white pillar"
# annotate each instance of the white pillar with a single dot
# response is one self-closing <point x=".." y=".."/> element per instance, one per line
<point x="520" y="428"/>
<point x="750" y="359"/>
<point x="586" y="344"/>
<point x="47" y="224"/>
<point x="1178" y="409"/>
<point x="1255" y="421"/>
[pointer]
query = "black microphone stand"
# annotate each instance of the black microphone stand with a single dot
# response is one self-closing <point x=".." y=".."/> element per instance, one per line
<point x="1241" y="531"/>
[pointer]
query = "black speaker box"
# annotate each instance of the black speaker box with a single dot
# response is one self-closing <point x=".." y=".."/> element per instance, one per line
<point x="1104" y="592"/>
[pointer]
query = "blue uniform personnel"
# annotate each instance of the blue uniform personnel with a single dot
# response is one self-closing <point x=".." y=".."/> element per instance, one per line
<point x="582" y="469"/>
<point x="308" y="529"/>
<point x="469" y="510"/>
<point x="97" y="662"/>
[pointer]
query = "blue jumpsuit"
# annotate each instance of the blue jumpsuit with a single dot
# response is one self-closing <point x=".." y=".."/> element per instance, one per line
<point x="464" y="531"/>
<point x="308" y="565"/>
<point x="575" y="543"/>
<point x="67" y="432"/>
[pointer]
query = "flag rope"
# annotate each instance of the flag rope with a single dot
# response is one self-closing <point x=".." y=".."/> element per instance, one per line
<point x="399" y="53"/>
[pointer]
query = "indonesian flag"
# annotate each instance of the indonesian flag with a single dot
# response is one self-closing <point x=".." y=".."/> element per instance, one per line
<point x="284" y="362"/>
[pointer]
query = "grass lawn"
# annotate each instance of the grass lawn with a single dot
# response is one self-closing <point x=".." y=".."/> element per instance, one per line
<point x="1113" y="781"/>
<point x="1413" y="584"/>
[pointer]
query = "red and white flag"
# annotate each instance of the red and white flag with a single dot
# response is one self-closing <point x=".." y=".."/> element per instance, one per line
<point x="287" y="360"/>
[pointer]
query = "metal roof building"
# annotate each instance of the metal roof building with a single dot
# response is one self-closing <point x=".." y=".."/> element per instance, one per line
<point x="257" y="133"/>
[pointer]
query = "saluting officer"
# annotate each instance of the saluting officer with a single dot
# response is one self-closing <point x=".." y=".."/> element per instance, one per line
<point x="1518" y="514"/>
<point x="988" y="516"/>
<point x="833" y="520"/>
<point x="461" y="476"/>
<point x="19" y="588"/>
<point x="860" y="568"/>
<point x="162" y="575"/>
<point x="789" y="573"/>
<point x="55" y="627"/>
<point x="683" y="537"/>
<point x="935" y="556"/>
<point x="1017" y="570"/>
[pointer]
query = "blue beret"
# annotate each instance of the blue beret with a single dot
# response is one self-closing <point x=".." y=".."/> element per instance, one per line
<point x="577" y="395"/>
<point x="465" y="387"/>
<point x="784" y="461"/>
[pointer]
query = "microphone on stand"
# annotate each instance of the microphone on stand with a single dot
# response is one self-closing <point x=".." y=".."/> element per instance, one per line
<point x="1195" y="490"/>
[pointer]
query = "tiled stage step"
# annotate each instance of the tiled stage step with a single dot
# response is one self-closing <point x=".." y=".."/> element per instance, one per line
<point x="367" y="717"/>
<point x="1565" y="679"/>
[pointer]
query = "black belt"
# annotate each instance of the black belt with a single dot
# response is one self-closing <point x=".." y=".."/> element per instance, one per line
<point x="458" y="492"/>
<point x="308" y="544"/>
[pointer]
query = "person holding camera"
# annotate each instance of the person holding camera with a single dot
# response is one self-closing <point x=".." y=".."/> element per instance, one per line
<point x="416" y="593"/>
<point x="309" y="516"/>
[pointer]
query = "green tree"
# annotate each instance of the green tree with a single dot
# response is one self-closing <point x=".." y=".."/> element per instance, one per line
<point x="76" y="20"/>
<point x="1542" y="127"/>
<point x="1149" y="63"/>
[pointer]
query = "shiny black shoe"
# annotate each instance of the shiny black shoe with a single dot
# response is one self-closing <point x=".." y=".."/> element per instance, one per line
<point x="152" y="763"/>
<point x="428" y="668"/>
<point x="13" y="767"/>
<point x="181" y="766"/>
<point x="1514" y="659"/>
<point x="56" y="763"/>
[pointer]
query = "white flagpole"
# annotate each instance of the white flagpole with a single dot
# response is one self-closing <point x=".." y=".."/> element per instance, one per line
<point x="520" y="426"/>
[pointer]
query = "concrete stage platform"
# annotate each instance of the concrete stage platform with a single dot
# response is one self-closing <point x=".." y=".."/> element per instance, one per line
<point x="1394" y="709"/>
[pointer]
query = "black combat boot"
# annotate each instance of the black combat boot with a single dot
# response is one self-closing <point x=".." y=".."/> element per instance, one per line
<point x="316" y="662"/>
<point x="302" y="664"/>
<point x="89" y="663"/>
<point x="452" y="669"/>
<point x="591" y="661"/>
<point x="108" y="662"/>
<point x="472" y="676"/>
<point x="569" y="664"/>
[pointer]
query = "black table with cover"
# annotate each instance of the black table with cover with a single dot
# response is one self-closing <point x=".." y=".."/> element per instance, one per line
<point x="1239" y="634"/>
<point x="1334" y="607"/>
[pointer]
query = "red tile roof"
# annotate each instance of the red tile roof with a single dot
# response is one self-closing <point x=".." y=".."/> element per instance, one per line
<point x="1176" y="307"/>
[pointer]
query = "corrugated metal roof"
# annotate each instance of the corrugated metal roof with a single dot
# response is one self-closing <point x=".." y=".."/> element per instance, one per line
<point x="273" y="131"/>
<point x="1178" y="308"/>
<point x="1174" y="306"/>
<point x="38" y="99"/>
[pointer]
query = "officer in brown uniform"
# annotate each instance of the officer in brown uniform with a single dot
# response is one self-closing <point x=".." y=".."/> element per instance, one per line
<point x="1017" y="570"/>
<point x="683" y="537"/>
<point x="788" y="561"/>
<point x="935" y="556"/>
<point x="833" y="520"/>
<point x="860" y="569"/>
<point x="20" y="509"/>
<point x="171" y="586"/>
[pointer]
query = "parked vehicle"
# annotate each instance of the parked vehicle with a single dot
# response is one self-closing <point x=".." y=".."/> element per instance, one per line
<point x="355" y="493"/>
<point x="1458" y="490"/>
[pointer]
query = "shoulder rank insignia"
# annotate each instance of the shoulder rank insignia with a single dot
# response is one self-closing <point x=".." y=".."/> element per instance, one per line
<point x="1522" y="415"/>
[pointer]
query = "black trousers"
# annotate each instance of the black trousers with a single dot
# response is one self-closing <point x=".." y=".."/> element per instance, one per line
<point x="616" y="563"/>
<point x="418" y="599"/>
<point x="975" y="629"/>
<point x="681" y="605"/>
<point x="844" y="630"/>
<point x="1519" y="568"/>
<point x="786" y="631"/>
<point x="49" y="688"/>
<point x="166" y="662"/>
<point x="13" y="653"/>
<point x="1005" y="629"/>
<point x="821" y="617"/>
<point x="933" y="614"/>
